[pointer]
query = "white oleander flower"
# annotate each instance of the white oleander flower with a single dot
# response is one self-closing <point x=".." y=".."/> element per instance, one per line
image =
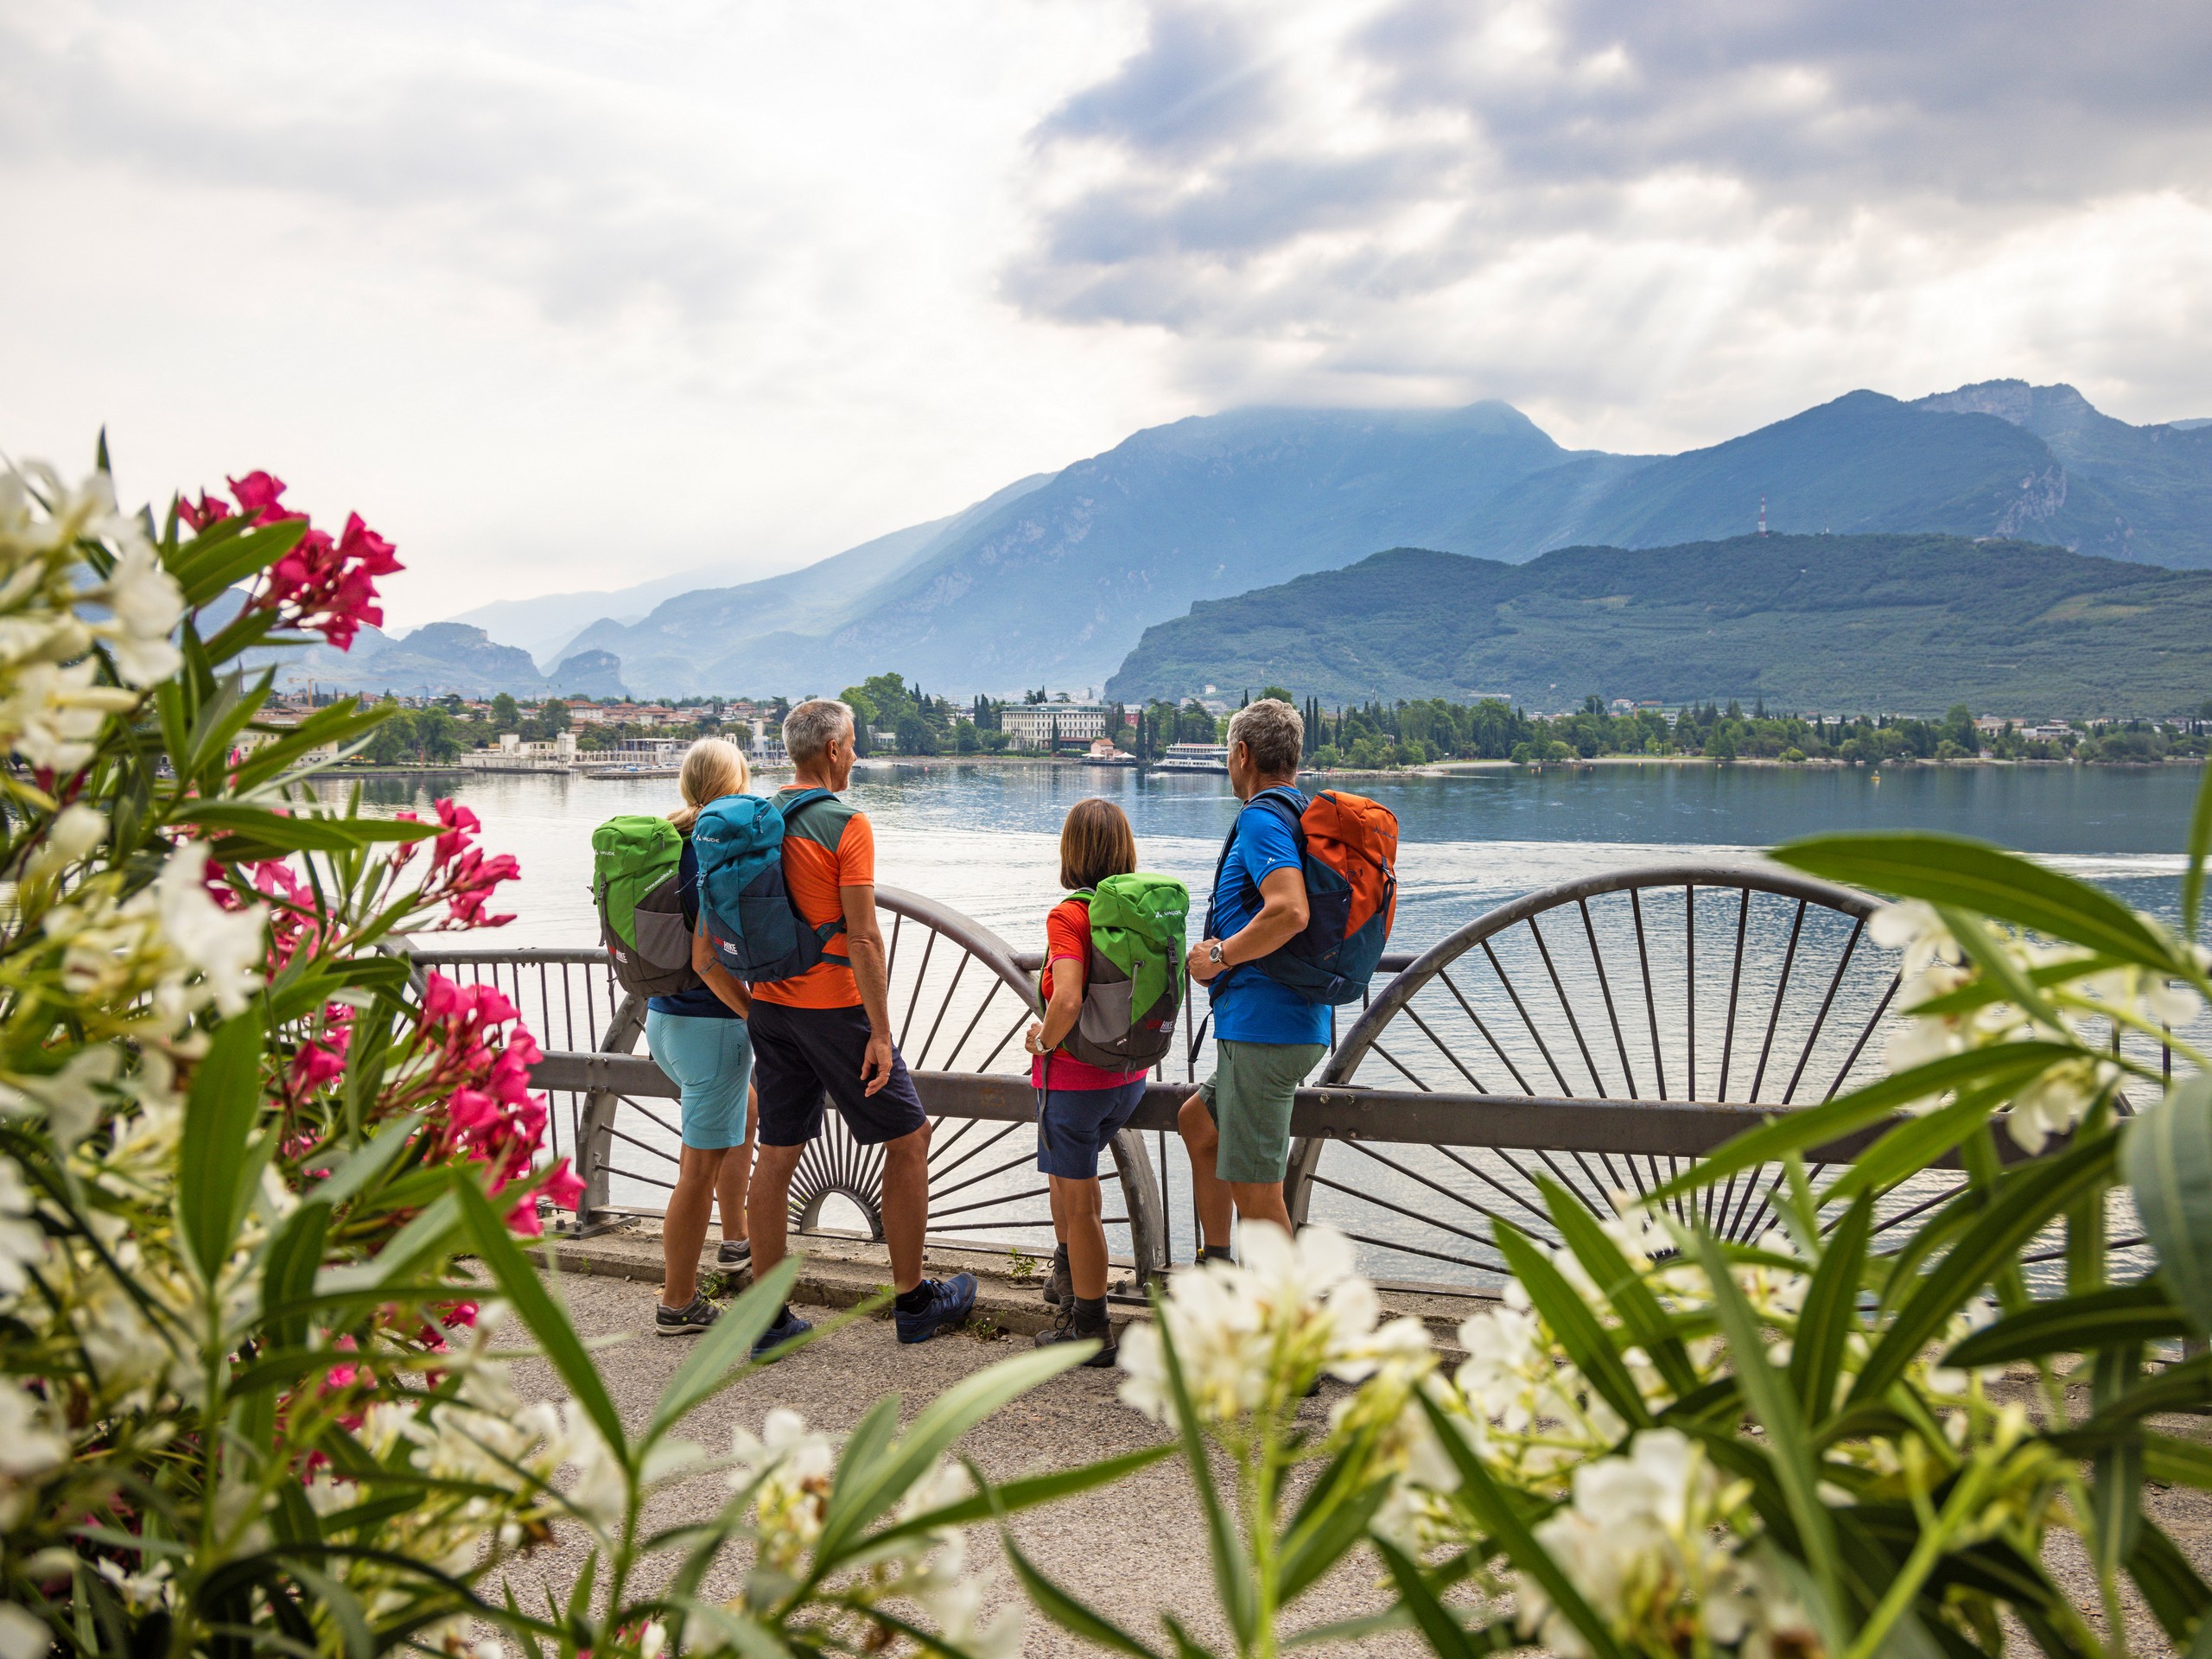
<point x="1637" y="1540"/>
<point x="142" y="1591"/>
<point x="146" y="604"/>
<point x="2056" y="1101"/>
<point x="226" y="946"/>
<point x="52" y="715"/>
<point x="1918" y="931"/>
<point x="22" y="1242"/>
<point x="795" y="1469"/>
<point x="76" y="831"/>
<point x="22" y="1634"/>
<point x="71" y="1099"/>
<point x="958" y="1612"/>
<point x="651" y="1640"/>
<point x="29" y="1446"/>
<point x="1243" y="1332"/>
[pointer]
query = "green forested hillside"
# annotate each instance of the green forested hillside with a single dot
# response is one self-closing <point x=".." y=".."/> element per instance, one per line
<point x="1907" y="624"/>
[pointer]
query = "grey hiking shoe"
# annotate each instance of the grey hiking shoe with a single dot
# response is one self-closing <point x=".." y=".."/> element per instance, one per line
<point x="1079" y="1324"/>
<point x="688" y="1321"/>
<point x="734" y="1253"/>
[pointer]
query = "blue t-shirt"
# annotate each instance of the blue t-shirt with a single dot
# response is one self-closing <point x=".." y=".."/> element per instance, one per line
<point x="1247" y="1005"/>
<point x="700" y="1002"/>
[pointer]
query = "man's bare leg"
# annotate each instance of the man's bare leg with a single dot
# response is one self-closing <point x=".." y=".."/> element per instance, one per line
<point x="1261" y="1201"/>
<point x="767" y="1204"/>
<point x="1201" y="1140"/>
<point x="905" y="1205"/>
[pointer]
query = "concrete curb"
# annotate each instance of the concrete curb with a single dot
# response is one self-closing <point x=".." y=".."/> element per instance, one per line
<point x="838" y="1272"/>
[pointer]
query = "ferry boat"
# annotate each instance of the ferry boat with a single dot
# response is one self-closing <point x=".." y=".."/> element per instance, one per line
<point x="1194" y="757"/>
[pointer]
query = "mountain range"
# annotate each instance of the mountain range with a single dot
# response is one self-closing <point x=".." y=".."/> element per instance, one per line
<point x="1054" y="579"/>
<point x="1901" y="623"/>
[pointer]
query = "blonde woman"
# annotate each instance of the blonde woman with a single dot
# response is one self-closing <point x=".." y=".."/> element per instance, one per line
<point x="701" y="1039"/>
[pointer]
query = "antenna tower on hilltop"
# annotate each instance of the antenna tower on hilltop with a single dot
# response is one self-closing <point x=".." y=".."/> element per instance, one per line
<point x="1762" y="515"/>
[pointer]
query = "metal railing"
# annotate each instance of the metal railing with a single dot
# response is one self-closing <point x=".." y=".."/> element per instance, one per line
<point x="1597" y="1037"/>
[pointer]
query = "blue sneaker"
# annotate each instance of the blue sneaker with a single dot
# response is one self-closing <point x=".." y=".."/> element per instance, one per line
<point x="788" y="1327"/>
<point x="950" y="1301"/>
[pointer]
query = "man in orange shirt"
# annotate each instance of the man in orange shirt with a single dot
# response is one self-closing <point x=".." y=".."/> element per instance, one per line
<point x="826" y="1034"/>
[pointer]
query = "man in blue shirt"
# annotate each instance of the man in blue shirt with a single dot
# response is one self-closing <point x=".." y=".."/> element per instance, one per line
<point x="1267" y="1037"/>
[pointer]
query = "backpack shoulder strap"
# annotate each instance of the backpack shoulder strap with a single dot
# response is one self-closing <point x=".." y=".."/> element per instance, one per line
<point x="1287" y="804"/>
<point x="790" y="805"/>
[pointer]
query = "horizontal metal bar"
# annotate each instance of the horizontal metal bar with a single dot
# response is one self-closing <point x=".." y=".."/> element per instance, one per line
<point x="532" y="955"/>
<point x="1340" y="1112"/>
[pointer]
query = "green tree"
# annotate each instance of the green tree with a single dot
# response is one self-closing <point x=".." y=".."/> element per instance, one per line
<point x="915" y="736"/>
<point x="506" y="713"/>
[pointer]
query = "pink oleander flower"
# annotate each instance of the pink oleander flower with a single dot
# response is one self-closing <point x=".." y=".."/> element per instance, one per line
<point x="564" y="1188"/>
<point x="323" y="586"/>
<point x="460" y="823"/>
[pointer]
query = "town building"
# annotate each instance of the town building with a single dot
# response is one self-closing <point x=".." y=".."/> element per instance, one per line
<point x="1052" y="725"/>
<point x="512" y="754"/>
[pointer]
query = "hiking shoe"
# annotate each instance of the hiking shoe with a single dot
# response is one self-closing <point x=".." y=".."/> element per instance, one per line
<point x="734" y="1253"/>
<point x="950" y="1302"/>
<point x="788" y="1328"/>
<point x="1060" y="1287"/>
<point x="688" y="1320"/>
<point x="1071" y="1327"/>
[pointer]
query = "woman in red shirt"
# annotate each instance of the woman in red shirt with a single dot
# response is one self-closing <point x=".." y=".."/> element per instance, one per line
<point x="1079" y="1107"/>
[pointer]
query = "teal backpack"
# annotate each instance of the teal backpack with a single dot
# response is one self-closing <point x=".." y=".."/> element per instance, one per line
<point x="634" y="863"/>
<point x="1132" y="980"/>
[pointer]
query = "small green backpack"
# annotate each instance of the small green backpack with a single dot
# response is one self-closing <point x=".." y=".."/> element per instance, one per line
<point x="634" y="865"/>
<point x="1133" y="981"/>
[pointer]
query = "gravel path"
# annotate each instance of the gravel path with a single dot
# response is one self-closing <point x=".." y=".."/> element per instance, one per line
<point x="1131" y="1550"/>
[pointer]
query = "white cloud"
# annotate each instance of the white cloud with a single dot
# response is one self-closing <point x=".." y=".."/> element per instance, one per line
<point x="564" y="297"/>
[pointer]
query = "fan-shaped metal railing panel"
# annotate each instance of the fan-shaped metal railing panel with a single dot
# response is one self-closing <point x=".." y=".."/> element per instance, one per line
<point x="959" y="1003"/>
<point x="1707" y="995"/>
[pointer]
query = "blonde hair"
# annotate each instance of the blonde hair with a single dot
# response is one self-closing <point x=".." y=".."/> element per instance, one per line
<point x="712" y="767"/>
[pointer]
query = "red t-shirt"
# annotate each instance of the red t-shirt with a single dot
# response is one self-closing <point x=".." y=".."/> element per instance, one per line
<point x="1067" y="937"/>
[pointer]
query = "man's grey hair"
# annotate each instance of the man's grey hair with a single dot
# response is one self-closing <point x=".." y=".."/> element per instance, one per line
<point x="1272" y="729"/>
<point x="809" y="727"/>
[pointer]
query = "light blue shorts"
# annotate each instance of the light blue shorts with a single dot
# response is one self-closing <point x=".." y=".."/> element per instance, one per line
<point x="711" y="1061"/>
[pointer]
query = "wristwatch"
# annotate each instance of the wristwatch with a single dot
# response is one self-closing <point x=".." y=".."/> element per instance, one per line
<point x="1214" y="956"/>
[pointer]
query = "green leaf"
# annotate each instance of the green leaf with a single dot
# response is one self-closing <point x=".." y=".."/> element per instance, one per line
<point x="2166" y="1158"/>
<point x="1792" y="1458"/>
<point x="1232" y="1577"/>
<point x="289" y="1275"/>
<point x="1495" y="1514"/>
<point x="721" y="1355"/>
<point x="1975" y="876"/>
<point x="1824" y="1322"/>
<point x="2125" y="1314"/>
<point x="2002" y="1067"/>
<point x="2177" y="1598"/>
<point x="2026" y="1202"/>
<point x="1621" y="1285"/>
<point x="218" y="557"/>
<point x="1332" y="1517"/>
<point x="1577" y="1328"/>
<point x="932" y="1433"/>
<point x="1013" y="1495"/>
<point x="247" y="833"/>
<point x="519" y="1283"/>
<point x="2177" y="1462"/>
<point x="2185" y="1387"/>
<point x="1916" y="1144"/>
<point x="219" y="1112"/>
<point x="2200" y="849"/>
<point x="878" y="1427"/>
<point x="1447" y="1637"/>
<point x="368" y="1163"/>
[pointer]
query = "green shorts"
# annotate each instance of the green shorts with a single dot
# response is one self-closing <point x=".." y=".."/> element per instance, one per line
<point x="1250" y="1096"/>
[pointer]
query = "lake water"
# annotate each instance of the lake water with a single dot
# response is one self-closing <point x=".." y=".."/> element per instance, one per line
<point x="983" y="840"/>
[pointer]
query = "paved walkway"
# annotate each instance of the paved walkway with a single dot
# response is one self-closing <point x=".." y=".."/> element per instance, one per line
<point x="1131" y="1550"/>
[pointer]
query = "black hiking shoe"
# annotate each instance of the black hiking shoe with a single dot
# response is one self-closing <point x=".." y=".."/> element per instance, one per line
<point x="688" y="1320"/>
<point x="788" y="1327"/>
<point x="1077" y="1323"/>
<point x="1059" y="1286"/>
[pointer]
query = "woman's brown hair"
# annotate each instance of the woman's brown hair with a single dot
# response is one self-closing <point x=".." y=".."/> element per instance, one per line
<point x="1096" y="842"/>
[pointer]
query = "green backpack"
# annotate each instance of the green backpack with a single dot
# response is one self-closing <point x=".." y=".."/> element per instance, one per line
<point x="634" y="863"/>
<point x="1133" y="981"/>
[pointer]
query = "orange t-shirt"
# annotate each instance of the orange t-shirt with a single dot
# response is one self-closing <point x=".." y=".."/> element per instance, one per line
<point x="830" y="846"/>
<point x="1067" y="939"/>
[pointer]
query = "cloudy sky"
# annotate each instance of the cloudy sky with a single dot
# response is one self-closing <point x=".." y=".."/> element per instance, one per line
<point x="571" y="296"/>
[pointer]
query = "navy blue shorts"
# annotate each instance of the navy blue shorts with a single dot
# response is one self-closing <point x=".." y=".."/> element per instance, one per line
<point x="801" y="1056"/>
<point x="1074" y="1125"/>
